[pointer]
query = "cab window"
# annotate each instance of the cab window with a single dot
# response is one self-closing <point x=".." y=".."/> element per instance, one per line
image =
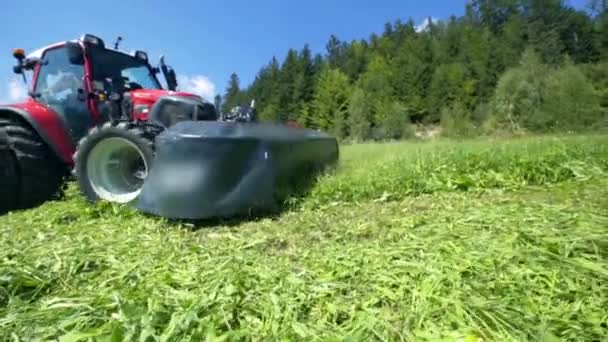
<point x="59" y="80"/>
<point x="58" y="85"/>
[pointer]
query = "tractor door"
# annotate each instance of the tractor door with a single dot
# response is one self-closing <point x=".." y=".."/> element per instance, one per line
<point x="60" y="86"/>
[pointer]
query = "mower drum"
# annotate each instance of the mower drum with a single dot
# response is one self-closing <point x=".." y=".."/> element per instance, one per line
<point x="219" y="169"/>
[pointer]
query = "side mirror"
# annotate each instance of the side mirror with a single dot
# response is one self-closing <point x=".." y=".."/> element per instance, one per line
<point x="171" y="78"/>
<point x="75" y="53"/>
<point x="169" y="74"/>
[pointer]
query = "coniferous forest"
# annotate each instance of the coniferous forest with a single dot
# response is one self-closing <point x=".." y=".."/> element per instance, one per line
<point x="504" y="67"/>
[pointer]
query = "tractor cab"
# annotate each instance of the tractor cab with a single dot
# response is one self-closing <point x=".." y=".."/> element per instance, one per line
<point x="89" y="57"/>
<point x="87" y="83"/>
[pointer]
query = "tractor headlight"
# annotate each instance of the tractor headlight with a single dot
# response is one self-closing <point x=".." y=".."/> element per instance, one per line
<point x="142" y="109"/>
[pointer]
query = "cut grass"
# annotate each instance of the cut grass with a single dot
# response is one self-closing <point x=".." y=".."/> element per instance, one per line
<point x="520" y="260"/>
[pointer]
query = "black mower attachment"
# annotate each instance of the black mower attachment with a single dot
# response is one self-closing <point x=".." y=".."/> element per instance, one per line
<point x="218" y="169"/>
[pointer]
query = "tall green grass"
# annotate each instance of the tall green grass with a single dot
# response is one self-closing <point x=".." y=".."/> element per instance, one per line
<point x="366" y="261"/>
<point x="395" y="171"/>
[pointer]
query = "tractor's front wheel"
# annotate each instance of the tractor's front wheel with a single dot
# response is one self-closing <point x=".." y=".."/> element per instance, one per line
<point x="113" y="161"/>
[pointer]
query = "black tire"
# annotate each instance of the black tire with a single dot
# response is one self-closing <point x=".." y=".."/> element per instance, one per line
<point x="9" y="180"/>
<point x="86" y="152"/>
<point x="34" y="174"/>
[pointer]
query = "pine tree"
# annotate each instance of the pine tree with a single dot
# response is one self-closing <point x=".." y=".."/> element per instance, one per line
<point x="493" y="14"/>
<point x="451" y="82"/>
<point x="512" y="42"/>
<point x="329" y="107"/>
<point x="546" y="22"/>
<point x="232" y="94"/>
<point x="287" y="85"/>
<point x="335" y="52"/>
<point x="265" y="91"/>
<point x="356" y="60"/>
<point x="410" y="75"/>
<point x="577" y="34"/>
<point x="305" y="116"/>
<point x="601" y="28"/>
<point x="376" y="83"/>
<point x="304" y="82"/>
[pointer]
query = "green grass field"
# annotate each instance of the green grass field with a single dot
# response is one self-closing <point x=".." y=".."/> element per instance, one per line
<point x="498" y="240"/>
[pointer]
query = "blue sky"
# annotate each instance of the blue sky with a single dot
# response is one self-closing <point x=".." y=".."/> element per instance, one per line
<point x="205" y="41"/>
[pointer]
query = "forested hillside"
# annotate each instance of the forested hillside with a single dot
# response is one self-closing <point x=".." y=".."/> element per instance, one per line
<point x="506" y="66"/>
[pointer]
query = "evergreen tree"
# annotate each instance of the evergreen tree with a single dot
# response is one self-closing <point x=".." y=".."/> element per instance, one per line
<point x="233" y="93"/>
<point x="376" y="83"/>
<point x="546" y="21"/>
<point x="578" y="35"/>
<point x="492" y="14"/>
<point x="304" y="80"/>
<point x="287" y="86"/>
<point x="512" y="43"/>
<point x="306" y="116"/>
<point x="265" y="91"/>
<point x="602" y="33"/>
<point x="329" y="106"/>
<point x="451" y="83"/>
<point x="335" y="52"/>
<point x="412" y="69"/>
<point x="356" y="60"/>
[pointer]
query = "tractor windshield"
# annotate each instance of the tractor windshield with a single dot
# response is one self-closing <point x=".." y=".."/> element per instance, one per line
<point x="108" y="64"/>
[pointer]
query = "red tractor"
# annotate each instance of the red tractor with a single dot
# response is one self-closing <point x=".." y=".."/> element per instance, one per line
<point x="81" y="115"/>
<point x="102" y="116"/>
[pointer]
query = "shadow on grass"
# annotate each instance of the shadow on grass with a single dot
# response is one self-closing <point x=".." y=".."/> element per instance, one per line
<point x="59" y="196"/>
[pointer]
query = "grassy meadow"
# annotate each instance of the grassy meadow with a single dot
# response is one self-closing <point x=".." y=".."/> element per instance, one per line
<point x="492" y="240"/>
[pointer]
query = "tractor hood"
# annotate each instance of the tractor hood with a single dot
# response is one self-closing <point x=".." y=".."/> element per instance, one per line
<point x="144" y="99"/>
<point x="150" y="96"/>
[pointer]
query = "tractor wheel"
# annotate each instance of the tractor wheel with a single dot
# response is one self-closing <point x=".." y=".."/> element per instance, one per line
<point x="31" y="173"/>
<point x="8" y="176"/>
<point x="112" y="162"/>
